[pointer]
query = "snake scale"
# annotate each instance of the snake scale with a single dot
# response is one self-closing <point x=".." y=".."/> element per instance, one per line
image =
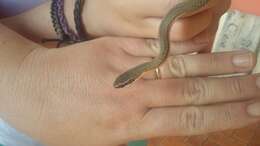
<point x="186" y="7"/>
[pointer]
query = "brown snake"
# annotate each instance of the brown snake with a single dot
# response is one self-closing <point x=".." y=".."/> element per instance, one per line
<point x="186" y="7"/>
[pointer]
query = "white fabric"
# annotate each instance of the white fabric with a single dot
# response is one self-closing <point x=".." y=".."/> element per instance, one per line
<point x="10" y="137"/>
<point x="238" y="30"/>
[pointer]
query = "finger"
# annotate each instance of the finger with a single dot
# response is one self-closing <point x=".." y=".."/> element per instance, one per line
<point x="207" y="64"/>
<point x="197" y="91"/>
<point x="182" y="29"/>
<point x="180" y="121"/>
<point x="138" y="51"/>
<point x="151" y="47"/>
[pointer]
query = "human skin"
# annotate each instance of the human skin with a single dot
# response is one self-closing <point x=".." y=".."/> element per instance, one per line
<point x="65" y="96"/>
<point x="128" y="18"/>
<point x="249" y="7"/>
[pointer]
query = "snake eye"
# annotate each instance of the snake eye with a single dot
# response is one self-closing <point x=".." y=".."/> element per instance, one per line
<point x="119" y="83"/>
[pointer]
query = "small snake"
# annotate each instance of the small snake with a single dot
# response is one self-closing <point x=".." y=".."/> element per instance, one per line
<point x="186" y="7"/>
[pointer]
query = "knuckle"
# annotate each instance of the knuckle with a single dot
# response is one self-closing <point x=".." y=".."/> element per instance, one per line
<point x="195" y="91"/>
<point x="177" y="66"/>
<point x="236" y="86"/>
<point x="228" y="114"/>
<point x="153" y="45"/>
<point x="214" y="61"/>
<point x="193" y="120"/>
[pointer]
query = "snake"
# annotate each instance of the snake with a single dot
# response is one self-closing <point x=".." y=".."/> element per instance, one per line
<point x="179" y="10"/>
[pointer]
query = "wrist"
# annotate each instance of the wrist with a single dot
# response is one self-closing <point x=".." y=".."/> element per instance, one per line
<point x="63" y="14"/>
<point x="13" y="52"/>
<point x="14" y="83"/>
<point x="22" y="102"/>
<point x="68" y="11"/>
<point x="69" y="8"/>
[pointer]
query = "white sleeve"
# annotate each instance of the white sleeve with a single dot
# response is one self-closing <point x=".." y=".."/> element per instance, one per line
<point x="11" y="137"/>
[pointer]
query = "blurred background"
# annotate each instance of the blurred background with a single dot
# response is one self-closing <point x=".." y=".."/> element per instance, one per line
<point x="249" y="6"/>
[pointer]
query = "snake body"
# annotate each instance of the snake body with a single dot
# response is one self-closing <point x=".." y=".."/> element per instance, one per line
<point x="186" y="7"/>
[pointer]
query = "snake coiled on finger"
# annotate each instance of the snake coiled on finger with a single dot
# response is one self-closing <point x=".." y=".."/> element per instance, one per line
<point x="186" y="7"/>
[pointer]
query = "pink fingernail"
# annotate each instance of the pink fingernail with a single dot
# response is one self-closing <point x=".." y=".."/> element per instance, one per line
<point x="244" y="59"/>
<point x="254" y="109"/>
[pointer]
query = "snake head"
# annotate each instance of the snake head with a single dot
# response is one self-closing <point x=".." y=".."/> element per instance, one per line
<point x="127" y="78"/>
<point x="121" y="81"/>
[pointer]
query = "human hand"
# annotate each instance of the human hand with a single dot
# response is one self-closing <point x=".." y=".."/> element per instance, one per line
<point x="66" y="96"/>
<point x="128" y="18"/>
<point x="141" y="18"/>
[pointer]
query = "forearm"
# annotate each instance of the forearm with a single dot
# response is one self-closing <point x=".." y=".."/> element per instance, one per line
<point x="13" y="50"/>
<point x="22" y="100"/>
<point x="36" y="23"/>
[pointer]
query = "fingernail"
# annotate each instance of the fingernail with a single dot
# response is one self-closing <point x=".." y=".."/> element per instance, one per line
<point x="254" y="109"/>
<point x="243" y="59"/>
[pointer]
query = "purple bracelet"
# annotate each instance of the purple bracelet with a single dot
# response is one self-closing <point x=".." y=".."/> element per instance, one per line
<point x="63" y="21"/>
<point x="61" y="26"/>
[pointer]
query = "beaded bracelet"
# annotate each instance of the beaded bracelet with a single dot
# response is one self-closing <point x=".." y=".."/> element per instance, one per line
<point x="61" y="26"/>
<point x="78" y="20"/>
